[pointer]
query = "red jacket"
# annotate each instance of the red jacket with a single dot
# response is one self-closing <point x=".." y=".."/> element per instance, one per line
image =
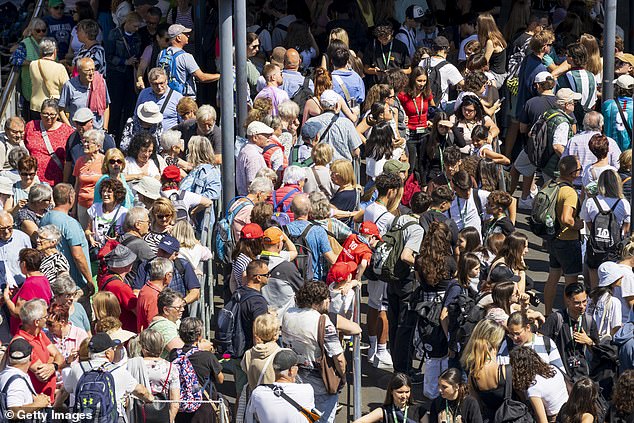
<point x="285" y="193"/>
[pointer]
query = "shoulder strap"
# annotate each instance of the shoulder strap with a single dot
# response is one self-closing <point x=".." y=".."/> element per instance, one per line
<point x="346" y="93"/>
<point x="180" y="268"/>
<point x="319" y="184"/>
<point x="380" y="216"/>
<point x="279" y="391"/>
<point x="596" y="202"/>
<point x="508" y="381"/>
<point x="478" y="202"/>
<point x="268" y="147"/>
<point x="5" y="388"/>
<point x="547" y="344"/>
<point x="286" y="197"/>
<point x="49" y="147"/>
<point x="305" y="232"/>
<point x="623" y="118"/>
<point x="323" y="134"/>
<point x="110" y="279"/>
<point x="167" y="100"/>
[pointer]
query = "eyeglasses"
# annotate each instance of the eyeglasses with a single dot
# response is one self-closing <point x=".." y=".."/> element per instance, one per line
<point x="27" y="174"/>
<point x="179" y="308"/>
<point x="163" y="216"/>
<point x="268" y="275"/>
<point x="48" y="115"/>
<point x="115" y="161"/>
<point x="40" y="31"/>
<point x="59" y="7"/>
<point x="6" y="228"/>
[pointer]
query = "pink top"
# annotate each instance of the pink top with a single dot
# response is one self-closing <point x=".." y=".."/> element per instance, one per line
<point x="47" y="170"/>
<point x="33" y="287"/>
<point x="66" y="345"/>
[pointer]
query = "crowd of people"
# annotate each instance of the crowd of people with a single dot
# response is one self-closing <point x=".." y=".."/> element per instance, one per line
<point x="384" y="144"/>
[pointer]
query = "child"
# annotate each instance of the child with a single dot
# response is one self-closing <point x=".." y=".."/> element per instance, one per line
<point x="358" y="248"/>
<point x="172" y="145"/>
<point x="341" y="288"/>
<point x="191" y="248"/>
<point x="497" y="205"/>
<point x="469" y="271"/>
<point x="481" y="143"/>
<point x="603" y="305"/>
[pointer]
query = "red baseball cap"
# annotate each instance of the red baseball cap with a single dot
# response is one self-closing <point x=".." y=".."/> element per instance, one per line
<point x="370" y="228"/>
<point x="172" y="173"/>
<point x="251" y="231"/>
<point x="340" y="271"/>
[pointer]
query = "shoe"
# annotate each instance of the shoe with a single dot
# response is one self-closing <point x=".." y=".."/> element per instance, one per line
<point x="383" y="360"/>
<point x="416" y="377"/>
<point x="371" y="354"/>
<point x="364" y="346"/>
<point x="525" y="203"/>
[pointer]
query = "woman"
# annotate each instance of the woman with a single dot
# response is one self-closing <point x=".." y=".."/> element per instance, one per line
<point x="162" y="216"/>
<point x="119" y="10"/>
<point x="599" y="146"/>
<point x="494" y="44"/>
<point x="63" y="334"/>
<point x="112" y="168"/>
<point x="486" y="376"/>
<point x="257" y="362"/>
<point x="28" y="51"/>
<point x="416" y="100"/>
<point x="53" y="262"/>
<point x="454" y="403"/>
<point x="27" y="168"/>
<point x="380" y="148"/>
<point x="512" y="255"/>
<point x="508" y="299"/>
<point x="186" y="109"/>
<point x="321" y="213"/>
<point x="543" y="384"/>
<point x="204" y="178"/>
<point x="47" y="76"/>
<point x="87" y="172"/>
<point x="191" y="248"/>
<point x="318" y="176"/>
<point x="142" y="159"/>
<point x="147" y="119"/>
<point x="88" y="39"/>
<point x="443" y="134"/>
<point x="40" y="201"/>
<point x="609" y="197"/>
<point x="347" y="196"/>
<point x="482" y="148"/>
<point x="105" y="304"/>
<point x="288" y="112"/>
<point x="622" y="408"/>
<point x="106" y="218"/>
<point x="65" y="292"/>
<point x="323" y="82"/>
<point x="395" y="407"/>
<point x="468" y="115"/>
<point x="248" y="247"/>
<point x="150" y="56"/>
<point x="583" y="403"/>
<point x="301" y="39"/>
<point x="594" y="63"/>
<point x="50" y="166"/>
<point x="625" y="172"/>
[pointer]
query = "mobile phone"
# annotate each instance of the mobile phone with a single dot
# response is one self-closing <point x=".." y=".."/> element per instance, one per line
<point x="502" y="99"/>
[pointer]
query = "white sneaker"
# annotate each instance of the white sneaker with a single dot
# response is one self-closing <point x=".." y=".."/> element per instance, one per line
<point x="371" y="354"/>
<point x="534" y="191"/>
<point x="525" y="203"/>
<point x="383" y="360"/>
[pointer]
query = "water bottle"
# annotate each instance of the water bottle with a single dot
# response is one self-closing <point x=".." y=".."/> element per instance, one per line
<point x="550" y="225"/>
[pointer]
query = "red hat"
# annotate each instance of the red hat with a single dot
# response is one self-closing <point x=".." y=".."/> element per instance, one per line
<point x="340" y="271"/>
<point x="251" y="231"/>
<point x="370" y="228"/>
<point x="172" y="173"/>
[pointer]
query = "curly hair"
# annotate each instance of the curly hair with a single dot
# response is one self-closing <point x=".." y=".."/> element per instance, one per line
<point x="470" y="100"/>
<point x="116" y="186"/>
<point x="27" y="163"/>
<point x="623" y="399"/>
<point x="139" y="141"/>
<point x="311" y="293"/>
<point x="526" y="365"/>
<point x="434" y="250"/>
<point x="58" y="313"/>
<point x="107" y="324"/>
<point x="500" y="199"/>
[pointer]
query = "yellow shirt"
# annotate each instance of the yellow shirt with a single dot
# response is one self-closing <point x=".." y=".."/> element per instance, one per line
<point x="567" y="197"/>
<point x="56" y="76"/>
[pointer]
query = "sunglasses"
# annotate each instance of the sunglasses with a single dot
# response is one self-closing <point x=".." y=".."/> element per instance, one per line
<point x="163" y="216"/>
<point x="115" y="161"/>
<point x="268" y="275"/>
<point x="58" y="7"/>
<point x="27" y="173"/>
<point x="40" y="31"/>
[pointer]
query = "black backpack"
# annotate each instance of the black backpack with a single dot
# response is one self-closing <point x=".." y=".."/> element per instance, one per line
<point x="606" y="231"/>
<point x="511" y="410"/>
<point x="303" y="94"/>
<point x="230" y="336"/>
<point x="464" y="313"/>
<point x="305" y="257"/>
<point x="4" y="408"/>
<point x="539" y="148"/>
<point x="434" y="78"/>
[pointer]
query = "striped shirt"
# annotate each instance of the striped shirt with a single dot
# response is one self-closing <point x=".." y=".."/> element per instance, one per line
<point x="581" y="81"/>
<point x="537" y="344"/>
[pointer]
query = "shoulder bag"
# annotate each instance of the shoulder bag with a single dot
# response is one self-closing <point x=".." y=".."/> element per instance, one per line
<point x="49" y="147"/>
<point x="311" y="415"/>
<point x="333" y="381"/>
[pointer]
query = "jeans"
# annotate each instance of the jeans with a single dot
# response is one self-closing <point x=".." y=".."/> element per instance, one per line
<point x="402" y="323"/>
<point x="327" y="404"/>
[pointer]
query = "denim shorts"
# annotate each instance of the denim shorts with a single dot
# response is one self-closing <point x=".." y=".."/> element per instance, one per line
<point x="565" y="255"/>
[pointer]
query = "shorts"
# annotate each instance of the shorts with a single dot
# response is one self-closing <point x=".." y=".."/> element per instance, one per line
<point x="565" y="255"/>
<point x="524" y="165"/>
<point x="377" y="295"/>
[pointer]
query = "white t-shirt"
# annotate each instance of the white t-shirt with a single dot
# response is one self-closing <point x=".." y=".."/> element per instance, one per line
<point x="195" y="255"/>
<point x="101" y="221"/>
<point x="449" y="75"/>
<point x="378" y="214"/>
<point x="591" y="173"/>
<point x="589" y="209"/>
<point x="465" y="213"/>
<point x="339" y="303"/>
<point x="270" y="408"/>
<point x="190" y="199"/>
<point x="607" y="313"/>
<point x="374" y="168"/>
<point x="552" y="391"/>
<point x="150" y="169"/>
<point x="20" y="391"/>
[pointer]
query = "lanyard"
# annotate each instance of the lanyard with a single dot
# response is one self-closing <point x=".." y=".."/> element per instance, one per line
<point x="466" y="207"/>
<point x="572" y="331"/>
<point x="404" y="414"/>
<point x="453" y="417"/>
<point x="419" y="112"/>
<point x="389" y="55"/>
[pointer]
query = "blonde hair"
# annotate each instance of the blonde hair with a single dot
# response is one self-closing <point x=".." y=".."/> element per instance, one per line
<point x="339" y="34"/>
<point x="345" y="171"/>
<point x="268" y="173"/>
<point x="322" y="154"/>
<point x="186" y="105"/>
<point x="112" y="153"/>
<point x="625" y="160"/>
<point x="132" y="17"/>
<point x="162" y="206"/>
<point x="267" y="327"/>
<point x="200" y="151"/>
<point x="628" y="250"/>
<point x="593" y="64"/>
<point x="183" y="231"/>
<point x="487" y="335"/>
<point x="105" y="304"/>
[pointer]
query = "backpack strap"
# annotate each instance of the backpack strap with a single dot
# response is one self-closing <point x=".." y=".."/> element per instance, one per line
<point x="286" y="197"/>
<point x="319" y="184"/>
<point x="304" y="234"/>
<point x="180" y="268"/>
<point x="13" y="378"/>
<point x="508" y="381"/>
<point x="268" y="147"/>
<point x="380" y="216"/>
<point x="476" y="199"/>
<point x="547" y="344"/>
<point x="332" y="121"/>
<point x="110" y="279"/>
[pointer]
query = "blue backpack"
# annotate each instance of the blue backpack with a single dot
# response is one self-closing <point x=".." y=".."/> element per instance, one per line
<point x="223" y="239"/>
<point x="167" y="61"/>
<point x="95" y="395"/>
<point x="280" y="210"/>
<point x="230" y="336"/>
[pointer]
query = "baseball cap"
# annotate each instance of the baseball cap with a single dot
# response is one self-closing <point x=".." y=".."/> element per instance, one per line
<point x="395" y="166"/>
<point x="340" y="271"/>
<point x="626" y="57"/>
<point x="503" y="273"/>
<point x="54" y="3"/>
<point x="625" y="81"/>
<point x="370" y="228"/>
<point x="177" y="29"/>
<point x="19" y="349"/>
<point x="272" y="235"/>
<point x="566" y="95"/>
<point x="310" y="130"/>
<point x="100" y="342"/>
<point x="284" y="360"/>
<point x="256" y="127"/>
<point x="542" y="77"/>
<point x="441" y="42"/>
<point x="148" y="187"/>
<point x="172" y="173"/>
<point x="414" y="12"/>
<point x="609" y="272"/>
<point x="120" y="256"/>
<point x="169" y="244"/>
<point x="329" y="98"/>
<point x="251" y="231"/>
<point x="83" y="115"/>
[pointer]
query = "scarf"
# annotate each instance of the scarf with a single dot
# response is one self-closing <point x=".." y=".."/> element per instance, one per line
<point x="97" y="97"/>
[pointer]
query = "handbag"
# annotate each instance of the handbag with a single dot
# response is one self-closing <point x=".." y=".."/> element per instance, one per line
<point x="311" y="415"/>
<point x="511" y="410"/>
<point x="157" y="412"/>
<point x="333" y="381"/>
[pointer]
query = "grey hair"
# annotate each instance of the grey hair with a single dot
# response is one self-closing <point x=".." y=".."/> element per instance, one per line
<point x="169" y="139"/>
<point x="48" y="46"/>
<point x="154" y="73"/>
<point x="167" y="298"/>
<point x="133" y="216"/>
<point x="50" y="102"/>
<point x="64" y="283"/>
<point x="159" y="267"/>
<point x="16" y="155"/>
<point x="294" y="175"/>
<point x="95" y="135"/>
<point x="274" y="122"/>
<point x="609" y="184"/>
<point x="36" y="23"/>
<point x="300" y="206"/>
<point x="260" y="184"/>
<point x="85" y="61"/>
<point x="200" y="151"/>
<point x="593" y="121"/>
<point x="40" y="192"/>
<point x="51" y="230"/>
<point x="33" y="310"/>
<point x="319" y="205"/>
<point x="206" y="112"/>
<point x="9" y="121"/>
<point x="152" y="342"/>
<point x="288" y="110"/>
<point x="190" y="330"/>
<point x="18" y="361"/>
<point x="267" y="173"/>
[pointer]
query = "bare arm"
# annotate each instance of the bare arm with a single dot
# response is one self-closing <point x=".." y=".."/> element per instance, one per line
<point x="497" y="157"/>
<point x="538" y="408"/>
<point x="81" y="263"/>
<point x="374" y="416"/>
<point x="290" y="247"/>
<point x="347" y="326"/>
<point x="568" y="218"/>
<point x="488" y="50"/>
<point x="106" y="118"/>
<point x="206" y="77"/>
<point x="143" y="393"/>
<point x="64" y="116"/>
<point x="561" y="69"/>
<point x="347" y="111"/>
<point x="408" y="256"/>
<point x="340" y="363"/>
<point x="330" y="257"/>
<point x="192" y="295"/>
<point x="559" y="149"/>
<point x="175" y="395"/>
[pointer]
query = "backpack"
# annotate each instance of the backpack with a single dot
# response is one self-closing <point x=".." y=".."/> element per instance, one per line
<point x="230" y="336"/>
<point x="269" y="150"/>
<point x="167" y="61"/>
<point x="543" y="220"/>
<point x="182" y="211"/>
<point x="429" y="339"/>
<point x="386" y="260"/>
<point x="511" y="410"/>
<point x="539" y="147"/>
<point x="189" y="382"/>
<point x="332" y="239"/>
<point x="295" y="161"/>
<point x="464" y="313"/>
<point x="302" y="95"/>
<point x="280" y="210"/>
<point x="223" y="238"/>
<point x="305" y="257"/>
<point x="606" y="231"/>
<point x="4" y="408"/>
<point x="434" y="78"/>
<point x="94" y="395"/>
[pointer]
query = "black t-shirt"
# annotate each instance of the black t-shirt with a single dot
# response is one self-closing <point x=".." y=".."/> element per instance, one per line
<point x="614" y="416"/>
<point x="204" y="363"/>
<point x="535" y="107"/>
<point x="493" y="226"/>
<point x="468" y="408"/>
<point x="434" y="216"/>
<point x="345" y="200"/>
<point x="394" y="55"/>
<point x="251" y="308"/>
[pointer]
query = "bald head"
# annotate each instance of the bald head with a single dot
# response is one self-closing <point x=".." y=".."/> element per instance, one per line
<point x="292" y="59"/>
<point x="300" y="206"/>
<point x="277" y="56"/>
<point x="6" y="225"/>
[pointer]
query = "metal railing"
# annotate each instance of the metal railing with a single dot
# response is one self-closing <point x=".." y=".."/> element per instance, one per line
<point x="206" y="302"/>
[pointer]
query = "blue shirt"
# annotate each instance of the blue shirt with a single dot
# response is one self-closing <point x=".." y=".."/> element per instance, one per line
<point x="74" y="96"/>
<point x="530" y="67"/>
<point x="181" y="282"/>
<point x="204" y="180"/>
<point x="293" y="80"/>
<point x="316" y="240"/>
<point x="614" y="127"/>
<point x="72" y="235"/>
<point x="170" y="115"/>
<point x="353" y="83"/>
<point x="9" y="256"/>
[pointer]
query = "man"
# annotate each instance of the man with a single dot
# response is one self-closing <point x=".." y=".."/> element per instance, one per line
<point x="407" y="33"/>
<point x="136" y="225"/>
<point x="452" y="160"/>
<point x="564" y="252"/>
<point x="251" y="159"/>
<point x="269" y="403"/>
<point x="624" y="64"/>
<point x="384" y="53"/>
<point x="148" y="32"/>
<point x="441" y="199"/>
<point x="619" y="113"/>
<point x="142" y="7"/>
<point x="11" y="242"/>
<point x="184" y="280"/>
<point x="186" y="67"/>
<point x="59" y="26"/>
<point x="387" y="187"/>
<point x="160" y="276"/>
<point x="14" y="380"/>
<point x="260" y="189"/>
<point x="170" y="305"/>
<point x="273" y="76"/>
<point x="73" y="244"/>
<point x="84" y="121"/>
<point x="339" y="133"/>
<point x="164" y="97"/>
<point x="469" y="204"/>
<point x="578" y="144"/>
<point x="574" y="331"/>
<point x="119" y="262"/>
<point x="205" y="126"/>
<point x="277" y="58"/>
<point x="347" y="83"/>
<point x="12" y="137"/>
<point x="467" y="31"/>
<point x="539" y="45"/>
<point x="579" y="80"/>
<point x="292" y="78"/>
<point x="450" y="76"/>
<point x="102" y="355"/>
<point x="81" y="90"/>
<point x="314" y="236"/>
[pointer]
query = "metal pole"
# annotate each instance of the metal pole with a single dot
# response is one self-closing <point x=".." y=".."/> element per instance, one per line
<point x="226" y="101"/>
<point x="241" y="63"/>
<point x="609" y="34"/>
<point x="356" y="356"/>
